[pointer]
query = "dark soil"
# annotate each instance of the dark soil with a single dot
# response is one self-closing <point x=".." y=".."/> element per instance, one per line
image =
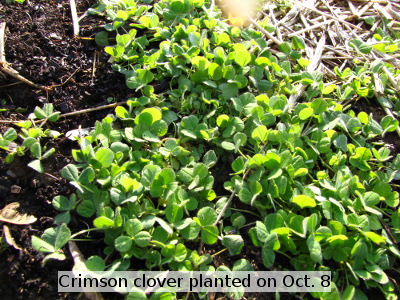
<point x="39" y="44"/>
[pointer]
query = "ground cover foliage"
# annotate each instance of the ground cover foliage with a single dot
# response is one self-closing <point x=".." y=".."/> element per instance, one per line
<point x="168" y="176"/>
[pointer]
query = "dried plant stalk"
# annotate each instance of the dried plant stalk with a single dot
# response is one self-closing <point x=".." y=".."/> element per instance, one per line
<point x="79" y="263"/>
<point x="2" y="54"/>
<point x="74" y="15"/>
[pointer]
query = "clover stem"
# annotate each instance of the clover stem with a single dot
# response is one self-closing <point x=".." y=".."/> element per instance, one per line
<point x="347" y="278"/>
<point x="284" y="254"/>
<point x="308" y="127"/>
<point x="250" y="224"/>
<point x="84" y="231"/>
<point x="219" y="252"/>
<point x="241" y="153"/>
<point x="246" y="211"/>
<point x="187" y="295"/>
<point x="157" y="243"/>
<point x="325" y="164"/>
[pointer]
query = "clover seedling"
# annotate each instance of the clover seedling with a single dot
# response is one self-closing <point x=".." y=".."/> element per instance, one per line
<point x="51" y="241"/>
<point x="206" y="218"/>
<point x="31" y="135"/>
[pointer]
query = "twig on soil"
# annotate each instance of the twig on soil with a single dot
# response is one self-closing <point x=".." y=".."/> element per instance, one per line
<point x="2" y="55"/>
<point x="51" y="176"/>
<point x="83" y="111"/>
<point x="5" y="69"/>
<point x="85" y="14"/>
<point x="11" y="84"/>
<point x="79" y="263"/>
<point x="74" y="15"/>
<point x="68" y="79"/>
<point x="223" y="210"/>
<point x="94" y="65"/>
<point x="73" y="113"/>
<point x="84" y="38"/>
<point x="9" y="238"/>
<point x="16" y="122"/>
